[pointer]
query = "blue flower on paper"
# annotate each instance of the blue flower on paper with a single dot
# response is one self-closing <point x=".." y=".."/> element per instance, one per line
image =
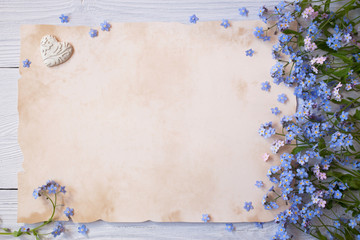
<point x="248" y="206"/>
<point x="265" y="86"/>
<point x="259" y="31"/>
<point x="229" y="227"/>
<point x="282" y="98"/>
<point x="266" y="130"/>
<point x="194" y="19"/>
<point x="52" y="188"/>
<point x="249" y="52"/>
<point x="83" y="229"/>
<point x="105" y="26"/>
<point x="69" y="212"/>
<point x="259" y="184"/>
<point x="62" y="189"/>
<point x="205" y="218"/>
<point x="36" y="193"/>
<point x="225" y="23"/>
<point x="26" y="63"/>
<point x="93" y="33"/>
<point x="64" y="19"/>
<point x="243" y="11"/>
<point x="275" y="111"/>
<point x="259" y="224"/>
<point x="266" y="38"/>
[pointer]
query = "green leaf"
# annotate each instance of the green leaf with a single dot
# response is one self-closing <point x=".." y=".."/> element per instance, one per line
<point x="320" y="236"/>
<point x="327" y="6"/>
<point x="342" y="73"/>
<point x="299" y="149"/>
<point x="338" y="236"/>
<point x="321" y="144"/>
<point x="357" y="114"/>
<point x="289" y="31"/>
<point x="343" y="57"/>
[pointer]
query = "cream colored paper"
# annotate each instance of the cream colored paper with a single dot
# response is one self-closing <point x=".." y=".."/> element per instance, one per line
<point x="150" y="121"/>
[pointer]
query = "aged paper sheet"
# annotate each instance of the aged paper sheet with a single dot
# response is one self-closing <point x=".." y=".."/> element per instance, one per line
<point x="150" y="121"/>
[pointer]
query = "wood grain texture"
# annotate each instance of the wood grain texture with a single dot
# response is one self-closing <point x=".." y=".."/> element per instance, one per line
<point x="16" y="12"/>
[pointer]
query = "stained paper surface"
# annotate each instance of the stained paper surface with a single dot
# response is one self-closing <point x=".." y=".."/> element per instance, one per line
<point x="150" y="121"/>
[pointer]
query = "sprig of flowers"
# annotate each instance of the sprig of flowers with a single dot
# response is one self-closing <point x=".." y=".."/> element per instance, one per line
<point x="50" y="192"/>
<point x="319" y="57"/>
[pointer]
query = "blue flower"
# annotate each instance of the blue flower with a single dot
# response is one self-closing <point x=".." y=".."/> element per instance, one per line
<point x="52" y="189"/>
<point x="282" y="98"/>
<point x="69" y="212"/>
<point x="105" y="26"/>
<point x="259" y="224"/>
<point x="301" y="173"/>
<point x="249" y="52"/>
<point x="337" y="224"/>
<point x="225" y="23"/>
<point x="265" y="86"/>
<point x="26" y="63"/>
<point x="337" y="194"/>
<point x="259" y="184"/>
<point x="93" y="33"/>
<point x="266" y="130"/>
<point x="283" y="38"/>
<point x="229" y="227"/>
<point x="83" y="229"/>
<point x="266" y="38"/>
<point x="248" y="206"/>
<point x="62" y="189"/>
<point x="243" y="11"/>
<point x="352" y="223"/>
<point x="344" y="116"/>
<point x="259" y="31"/>
<point x="64" y="19"/>
<point x="205" y="218"/>
<point x="36" y="193"/>
<point x="193" y="19"/>
<point x="59" y="228"/>
<point x="261" y="12"/>
<point x="24" y="229"/>
<point x="275" y="111"/>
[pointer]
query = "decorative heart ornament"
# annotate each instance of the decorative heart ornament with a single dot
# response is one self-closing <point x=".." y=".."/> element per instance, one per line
<point x="54" y="52"/>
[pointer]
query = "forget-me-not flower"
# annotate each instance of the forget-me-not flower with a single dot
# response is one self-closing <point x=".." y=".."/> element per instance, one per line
<point x="249" y="52"/>
<point x="225" y="23"/>
<point x="26" y="63"/>
<point x="194" y="19"/>
<point x="64" y="19"/>
<point x="93" y="33"/>
<point x="105" y="26"/>
<point x="243" y="11"/>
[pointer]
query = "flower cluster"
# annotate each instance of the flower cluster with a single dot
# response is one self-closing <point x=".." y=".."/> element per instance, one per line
<point x="50" y="191"/>
<point x="317" y="56"/>
<point x="266" y="130"/>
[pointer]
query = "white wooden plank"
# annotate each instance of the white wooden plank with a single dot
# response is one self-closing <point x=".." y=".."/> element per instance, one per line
<point x="10" y="154"/>
<point x="147" y="230"/>
<point x="92" y="12"/>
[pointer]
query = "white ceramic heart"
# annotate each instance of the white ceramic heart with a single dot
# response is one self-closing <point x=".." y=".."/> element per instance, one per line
<point x="54" y="52"/>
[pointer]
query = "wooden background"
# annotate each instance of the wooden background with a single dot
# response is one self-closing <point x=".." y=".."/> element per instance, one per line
<point x="13" y="13"/>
